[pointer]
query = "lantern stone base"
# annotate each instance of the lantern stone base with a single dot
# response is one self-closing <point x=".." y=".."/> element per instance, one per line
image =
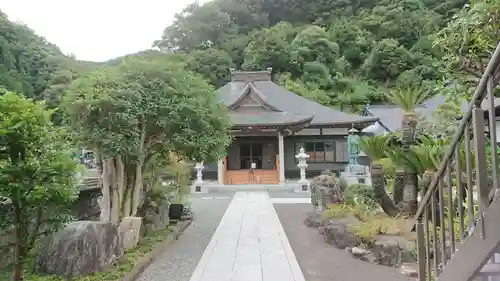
<point x="302" y="186"/>
<point x="199" y="187"/>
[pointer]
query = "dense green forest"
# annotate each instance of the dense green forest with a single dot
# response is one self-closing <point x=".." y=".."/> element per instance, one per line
<point x="342" y="53"/>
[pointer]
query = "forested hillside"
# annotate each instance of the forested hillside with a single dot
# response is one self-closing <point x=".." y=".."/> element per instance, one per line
<point x="32" y="66"/>
<point x="343" y="53"/>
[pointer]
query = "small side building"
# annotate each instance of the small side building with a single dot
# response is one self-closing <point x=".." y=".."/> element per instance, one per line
<point x="270" y="125"/>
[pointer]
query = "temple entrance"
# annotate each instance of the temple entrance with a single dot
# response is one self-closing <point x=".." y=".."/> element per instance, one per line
<point x="252" y="161"/>
<point x="251" y="156"/>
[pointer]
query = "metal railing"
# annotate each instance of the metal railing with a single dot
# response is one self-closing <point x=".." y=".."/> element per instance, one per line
<point x="467" y="177"/>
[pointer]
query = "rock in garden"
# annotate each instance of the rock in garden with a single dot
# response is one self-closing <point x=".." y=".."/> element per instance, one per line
<point x="81" y="248"/>
<point x="314" y="220"/>
<point x="409" y="270"/>
<point x="130" y="231"/>
<point x="358" y="252"/>
<point x="326" y="189"/>
<point x="393" y="251"/>
<point x="336" y="233"/>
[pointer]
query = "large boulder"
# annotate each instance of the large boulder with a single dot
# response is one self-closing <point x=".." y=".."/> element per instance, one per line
<point x="81" y="248"/>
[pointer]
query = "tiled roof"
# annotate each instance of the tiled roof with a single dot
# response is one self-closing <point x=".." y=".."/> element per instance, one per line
<point x="290" y="103"/>
<point x="391" y="116"/>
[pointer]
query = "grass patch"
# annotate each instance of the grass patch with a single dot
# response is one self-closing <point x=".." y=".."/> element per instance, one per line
<point x="125" y="265"/>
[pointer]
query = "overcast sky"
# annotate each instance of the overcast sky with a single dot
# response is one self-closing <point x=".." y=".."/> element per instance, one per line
<point x="96" y="30"/>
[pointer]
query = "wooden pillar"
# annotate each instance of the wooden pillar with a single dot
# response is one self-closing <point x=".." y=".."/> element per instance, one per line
<point x="281" y="151"/>
<point x="220" y="171"/>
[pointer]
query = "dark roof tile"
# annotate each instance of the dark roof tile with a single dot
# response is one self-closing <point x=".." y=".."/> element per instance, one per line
<point x="291" y="103"/>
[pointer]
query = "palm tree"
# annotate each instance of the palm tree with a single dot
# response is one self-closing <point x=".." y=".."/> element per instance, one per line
<point x="428" y="155"/>
<point x="408" y="99"/>
<point x="375" y="148"/>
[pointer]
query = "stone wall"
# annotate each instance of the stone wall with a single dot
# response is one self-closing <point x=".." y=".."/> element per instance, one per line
<point x="84" y="208"/>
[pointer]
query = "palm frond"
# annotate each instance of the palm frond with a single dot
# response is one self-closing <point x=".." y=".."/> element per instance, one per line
<point x="404" y="158"/>
<point x="408" y="98"/>
<point x="375" y="147"/>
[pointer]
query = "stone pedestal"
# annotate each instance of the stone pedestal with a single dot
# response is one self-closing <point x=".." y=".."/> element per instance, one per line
<point x="302" y="186"/>
<point x="199" y="188"/>
<point x="130" y="231"/>
<point x="357" y="174"/>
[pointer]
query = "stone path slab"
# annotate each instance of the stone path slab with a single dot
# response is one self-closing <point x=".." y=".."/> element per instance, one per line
<point x="249" y="245"/>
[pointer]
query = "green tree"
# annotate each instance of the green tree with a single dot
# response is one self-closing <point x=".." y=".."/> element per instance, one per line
<point x="269" y="47"/>
<point x="470" y="39"/>
<point x="213" y="64"/>
<point x="37" y="174"/>
<point x="314" y="44"/>
<point x="235" y="46"/>
<point x="404" y="21"/>
<point x="140" y="109"/>
<point x="354" y="42"/>
<point x="307" y="90"/>
<point x="387" y="61"/>
<point x="196" y="28"/>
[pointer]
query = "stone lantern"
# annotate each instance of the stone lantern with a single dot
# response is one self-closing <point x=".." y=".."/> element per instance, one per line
<point x="303" y="184"/>
<point x="199" y="176"/>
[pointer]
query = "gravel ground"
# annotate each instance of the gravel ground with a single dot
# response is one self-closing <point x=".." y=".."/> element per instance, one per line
<point x="181" y="258"/>
<point x="322" y="262"/>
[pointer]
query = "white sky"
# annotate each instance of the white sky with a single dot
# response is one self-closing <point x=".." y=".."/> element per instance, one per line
<point x="96" y="30"/>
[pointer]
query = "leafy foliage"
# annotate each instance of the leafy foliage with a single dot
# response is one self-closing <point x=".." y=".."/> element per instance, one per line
<point x="37" y="174"/>
<point x="113" y="106"/>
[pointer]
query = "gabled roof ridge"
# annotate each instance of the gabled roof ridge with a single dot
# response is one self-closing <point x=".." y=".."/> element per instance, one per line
<point x="262" y="98"/>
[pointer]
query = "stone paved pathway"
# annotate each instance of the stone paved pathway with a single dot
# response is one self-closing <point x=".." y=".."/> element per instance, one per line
<point x="249" y="245"/>
<point x="261" y="237"/>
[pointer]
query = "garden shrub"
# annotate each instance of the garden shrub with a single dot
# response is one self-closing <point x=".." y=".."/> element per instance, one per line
<point x="337" y="211"/>
<point x="367" y="231"/>
<point x="360" y="194"/>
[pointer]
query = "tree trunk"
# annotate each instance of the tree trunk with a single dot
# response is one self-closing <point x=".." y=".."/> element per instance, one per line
<point x="137" y="189"/>
<point x="136" y="194"/>
<point x="120" y="185"/>
<point x="113" y="198"/>
<point x="18" y="270"/>
<point x="104" y="202"/>
<point x="381" y="196"/>
<point x="398" y="186"/>
<point x="410" y="197"/>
